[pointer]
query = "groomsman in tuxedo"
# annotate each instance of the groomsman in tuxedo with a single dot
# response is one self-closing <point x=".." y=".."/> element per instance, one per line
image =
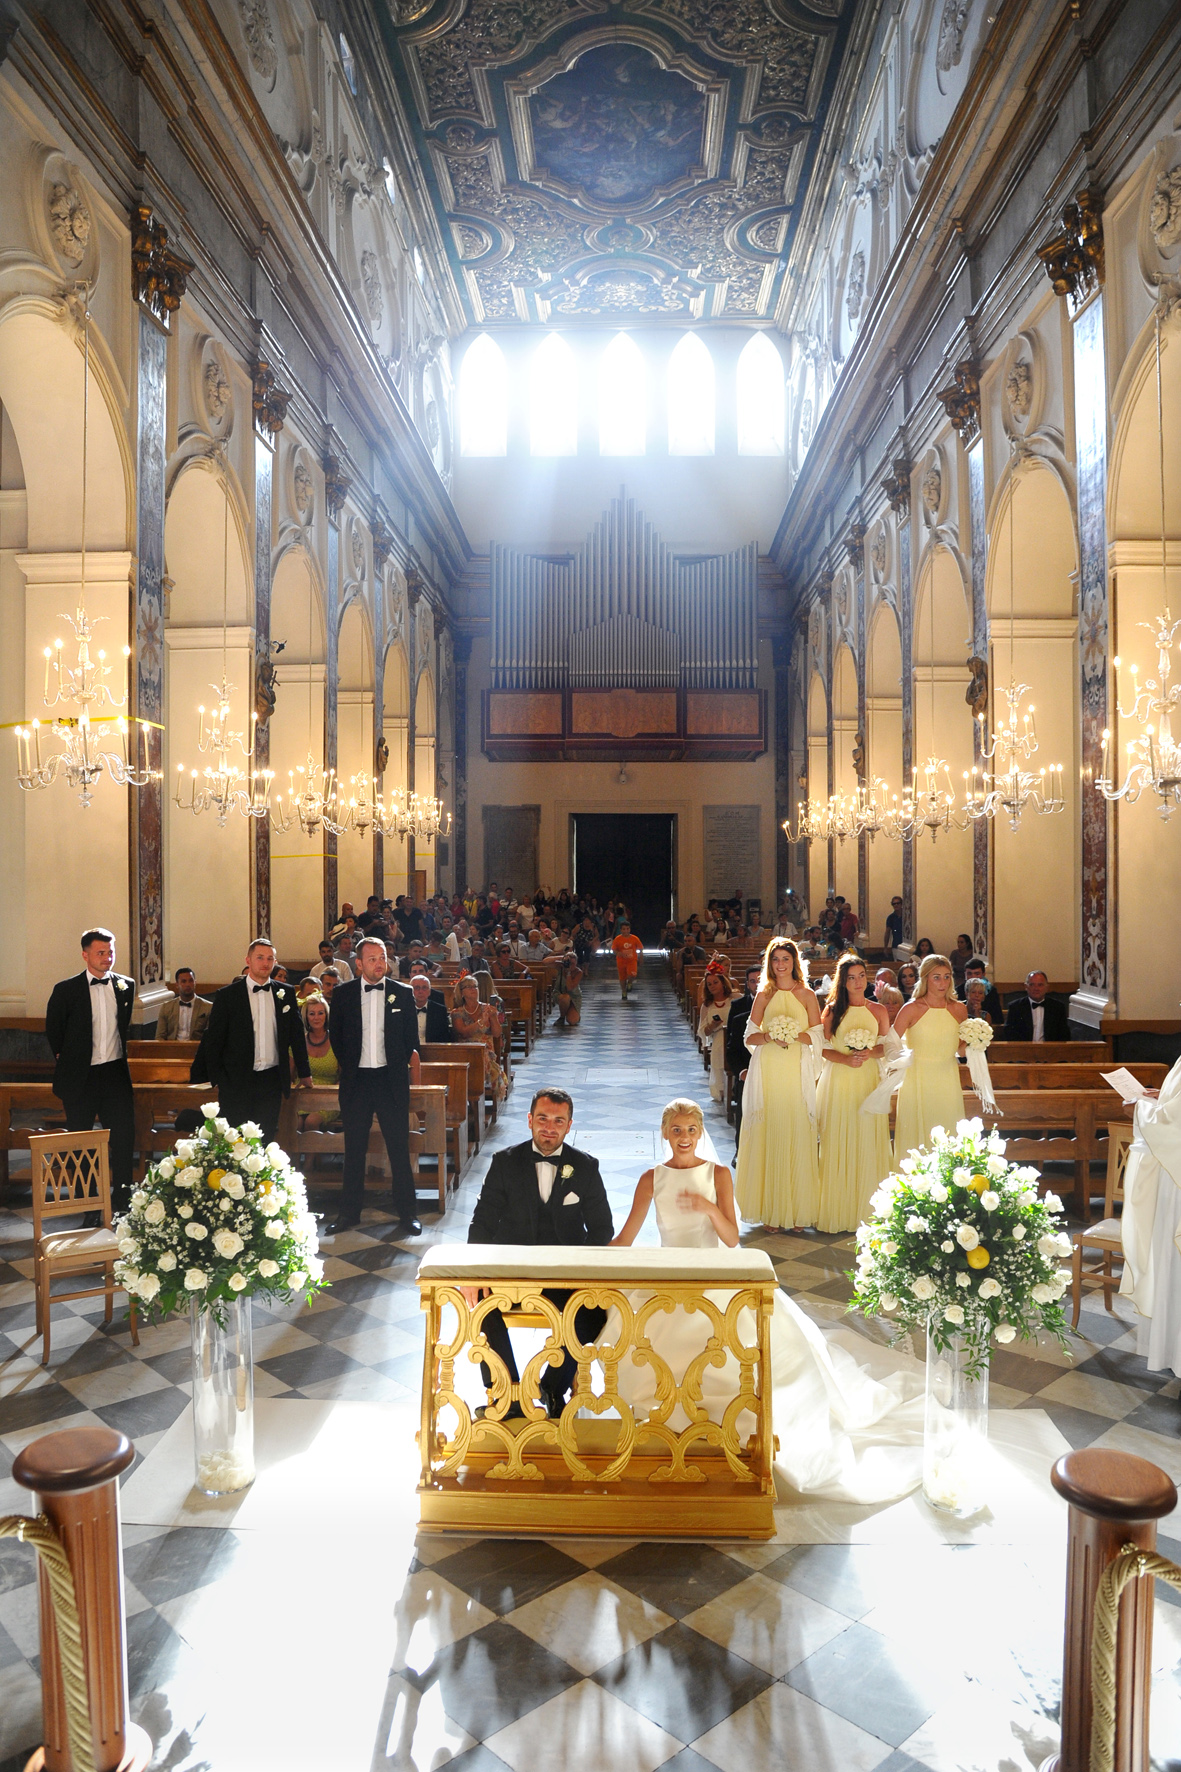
<point x="255" y="1033"/>
<point x="87" y="1020"/>
<point x="373" y="1027"/>
<point x="543" y="1191"/>
<point x="1036" y="1016"/>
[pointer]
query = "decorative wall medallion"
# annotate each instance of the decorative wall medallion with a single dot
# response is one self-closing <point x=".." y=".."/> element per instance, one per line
<point x="357" y="549"/>
<point x="953" y="24"/>
<point x="855" y="290"/>
<point x="260" y="38"/>
<point x="69" y="223"/>
<point x="371" y="282"/>
<point x="933" y="490"/>
<point x="877" y="553"/>
<point x="217" y="394"/>
<point x="303" y="485"/>
<point x="1164" y="214"/>
<point x="805" y="424"/>
<point x="1019" y="390"/>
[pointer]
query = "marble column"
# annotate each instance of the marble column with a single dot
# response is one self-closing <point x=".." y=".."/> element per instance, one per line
<point x="331" y="695"/>
<point x="378" y="719"/>
<point x="1095" y="996"/>
<point x="906" y="613"/>
<point x="260" y="828"/>
<point x="857" y="557"/>
<point x="462" y="655"/>
<point x="147" y="803"/>
<point x="781" y="654"/>
<point x="981" y="900"/>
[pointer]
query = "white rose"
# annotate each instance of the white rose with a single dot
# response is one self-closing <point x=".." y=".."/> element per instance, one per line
<point x="995" y="1165"/>
<point x="1065" y="1245"/>
<point x="183" y="1149"/>
<point x="953" y="1313"/>
<point x="209" y="1110"/>
<point x="267" y="1267"/>
<point x="947" y="1246"/>
<point x="990" y="1289"/>
<point x="137" y="1199"/>
<point x="277" y="1155"/>
<point x="227" y="1243"/>
<point x="914" y="1224"/>
<point x="148" y="1286"/>
<point x="234" y="1186"/>
<point x="939" y="1135"/>
<point x="188" y="1177"/>
<point x="939" y="1193"/>
<point x="888" y="1301"/>
<point x="253" y="1163"/>
<point x="962" y="1176"/>
<point x="237" y="1283"/>
<point x="1018" y="1233"/>
<point x="166" y="1262"/>
<point x="248" y="1129"/>
<point x="1048" y="1246"/>
<point x="128" y="1246"/>
<point x="270" y="1203"/>
<point x="967" y="1237"/>
<point x="969" y="1128"/>
<point x="1060" y="1282"/>
<point x="1004" y="1332"/>
<point x="906" y="1165"/>
<point x="1042" y="1294"/>
<point x="889" y="1248"/>
<point x="221" y="1125"/>
<point x="1052" y="1203"/>
<point x="194" y="1280"/>
<point x="923" y="1287"/>
<point x="274" y="1228"/>
<point x="920" y="1185"/>
<point x="963" y="1281"/>
<point x="297" y="1280"/>
<point x="154" y="1213"/>
<point x="989" y="1200"/>
<point x="996" y="1143"/>
<point x="226" y="1205"/>
<point x="240" y="1151"/>
<point x="167" y="1169"/>
<point x="315" y="1267"/>
<point x="185" y="1211"/>
<point x="197" y="1232"/>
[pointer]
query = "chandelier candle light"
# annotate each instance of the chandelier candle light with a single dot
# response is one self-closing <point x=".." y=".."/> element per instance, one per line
<point x="84" y="685"/>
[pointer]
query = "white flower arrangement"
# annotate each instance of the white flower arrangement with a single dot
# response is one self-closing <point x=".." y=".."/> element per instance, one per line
<point x="961" y="1243"/>
<point x="860" y="1039"/>
<point x="782" y="1029"/>
<point x="223" y="1201"/>
<point x="975" y="1034"/>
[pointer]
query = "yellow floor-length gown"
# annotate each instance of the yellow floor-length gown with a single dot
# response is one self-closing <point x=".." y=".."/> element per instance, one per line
<point x="931" y="1093"/>
<point x="778" y="1176"/>
<point x="854" y="1147"/>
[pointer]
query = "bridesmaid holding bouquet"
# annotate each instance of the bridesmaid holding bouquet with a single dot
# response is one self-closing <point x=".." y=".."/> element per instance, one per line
<point x="854" y="1147"/>
<point x="778" y="1179"/>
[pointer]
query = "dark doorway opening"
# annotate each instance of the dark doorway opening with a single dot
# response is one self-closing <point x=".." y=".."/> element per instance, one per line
<point x="628" y="855"/>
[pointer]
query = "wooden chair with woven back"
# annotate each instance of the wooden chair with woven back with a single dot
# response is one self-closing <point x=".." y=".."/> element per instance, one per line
<point x="1102" y="1241"/>
<point x="71" y="1174"/>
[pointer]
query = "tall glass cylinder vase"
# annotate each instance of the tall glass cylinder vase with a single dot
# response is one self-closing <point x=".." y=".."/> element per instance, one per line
<point x="223" y="1397"/>
<point x="955" y="1431"/>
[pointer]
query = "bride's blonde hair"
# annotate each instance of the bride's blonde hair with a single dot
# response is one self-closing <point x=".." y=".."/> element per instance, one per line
<point x="681" y="1109"/>
<point x="930" y="962"/>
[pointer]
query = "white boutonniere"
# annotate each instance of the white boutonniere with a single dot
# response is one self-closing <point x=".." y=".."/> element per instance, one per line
<point x="392" y="999"/>
<point x="567" y="1171"/>
<point x="120" y="984"/>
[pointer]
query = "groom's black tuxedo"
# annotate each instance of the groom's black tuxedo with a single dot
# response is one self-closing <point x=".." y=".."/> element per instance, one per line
<point x="511" y="1210"/>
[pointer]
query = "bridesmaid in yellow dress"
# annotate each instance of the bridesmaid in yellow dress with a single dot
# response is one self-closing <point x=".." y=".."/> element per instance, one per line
<point x="778" y="1177"/>
<point x="931" y="1093"/>
<point x="854" y="1147"/>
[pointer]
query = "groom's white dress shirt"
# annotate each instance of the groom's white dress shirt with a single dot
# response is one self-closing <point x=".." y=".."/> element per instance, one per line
<point x="547" y="1173"/>
<point x="104" y="1026"/>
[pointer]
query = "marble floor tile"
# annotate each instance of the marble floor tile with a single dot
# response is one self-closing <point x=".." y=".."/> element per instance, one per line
<point x="682" y="1681"/>
<point x="415" y="1733"/>
<point x="1100" y="1396"/>
<point x="432" y="1613"/>
<point x="584" y="1729"/>
<point x="767" y="1623"/>
<point x="589" y="1621"/>
<point x="783" y="1727"/>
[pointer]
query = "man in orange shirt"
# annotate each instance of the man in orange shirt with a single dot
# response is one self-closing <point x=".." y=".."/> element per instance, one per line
<point x="627" y="949"/>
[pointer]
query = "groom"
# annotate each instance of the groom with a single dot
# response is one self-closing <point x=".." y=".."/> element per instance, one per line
<point x="539" y="1192"/>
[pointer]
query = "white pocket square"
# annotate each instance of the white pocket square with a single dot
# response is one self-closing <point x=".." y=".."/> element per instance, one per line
<point x="570" y="1200"/>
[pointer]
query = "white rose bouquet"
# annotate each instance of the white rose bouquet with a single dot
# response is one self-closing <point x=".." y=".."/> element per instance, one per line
<point x="782" y="1029"/>
<point x="859" y="1039"/>
<point x="962" y="1243"/>
<point x="975" y="1034"/>
<point x="221" y="1216"/>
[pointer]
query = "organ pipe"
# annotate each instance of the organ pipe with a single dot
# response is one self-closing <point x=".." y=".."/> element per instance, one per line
<point x="624" y="611"/>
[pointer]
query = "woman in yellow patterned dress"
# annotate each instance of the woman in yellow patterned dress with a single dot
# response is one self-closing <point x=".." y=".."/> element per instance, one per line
<point x="778" y="1177"/>
<point x="854" y="1147"/>
<point x="931" y="1093"/>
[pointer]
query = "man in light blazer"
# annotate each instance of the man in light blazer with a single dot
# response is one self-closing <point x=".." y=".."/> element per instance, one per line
<point x="543" y="1191"/>
<point x="87" y="1020"/>
<point x="255" y="1035"/>
<point x="373" y="1027"/>
<point x="185" y="1016"/>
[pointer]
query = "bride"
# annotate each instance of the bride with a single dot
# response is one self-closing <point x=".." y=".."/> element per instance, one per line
<point x="844" y="1435"/>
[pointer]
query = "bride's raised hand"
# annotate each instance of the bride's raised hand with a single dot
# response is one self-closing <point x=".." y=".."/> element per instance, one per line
<point x="689" y="1200"/>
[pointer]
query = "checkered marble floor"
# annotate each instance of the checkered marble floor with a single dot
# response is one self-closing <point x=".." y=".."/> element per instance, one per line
<point x="354" y="1643"/>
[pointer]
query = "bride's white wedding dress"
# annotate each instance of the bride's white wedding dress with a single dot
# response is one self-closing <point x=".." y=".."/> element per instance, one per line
<point x="844" y="1435"/>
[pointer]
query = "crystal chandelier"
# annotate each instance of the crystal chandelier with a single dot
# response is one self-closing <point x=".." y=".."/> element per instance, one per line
<point x="224" y="786"/>
<point x="1011" y="788"/>
<point x="1154" y="755"/>
<point x="83" y="755"/>
<point x="313" y="793"/>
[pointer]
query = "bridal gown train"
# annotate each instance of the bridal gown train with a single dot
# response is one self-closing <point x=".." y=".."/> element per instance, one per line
<point x="843" y="1434"/>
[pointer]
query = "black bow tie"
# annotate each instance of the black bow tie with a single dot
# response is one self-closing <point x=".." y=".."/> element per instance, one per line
<point x="375" y="987"/>
<point x="259" y="987"/>
<point x="540" y="1157"/>
<point x="95" y="981"/>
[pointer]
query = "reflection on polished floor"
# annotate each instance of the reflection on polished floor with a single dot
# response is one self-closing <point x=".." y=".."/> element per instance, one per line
<point x="309" y="1626"/>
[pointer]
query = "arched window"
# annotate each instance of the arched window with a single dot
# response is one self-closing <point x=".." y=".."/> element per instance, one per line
<point x="623" y="398"/>
<point x="760" y="398"/>
<point x="691" y="398"/>
<point x="483" y="399"/>
<point x="348" y="64"/>
<point x="553" y="398"/>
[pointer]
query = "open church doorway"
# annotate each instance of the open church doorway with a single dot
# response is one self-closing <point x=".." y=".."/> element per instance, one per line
<point x="628" y="855"/>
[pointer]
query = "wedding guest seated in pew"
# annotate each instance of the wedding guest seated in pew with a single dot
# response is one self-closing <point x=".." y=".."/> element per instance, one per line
<point x="1035" y="1016"/>
<point x="976" y="998"/>
<point x="993" y="1007"/>
<point x="434" y="1023"/>
<point x="185" y="1016"/>
<point x="322" y="1059"/>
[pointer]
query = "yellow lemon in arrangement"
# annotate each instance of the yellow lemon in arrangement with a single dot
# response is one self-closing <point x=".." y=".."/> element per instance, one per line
<point x="978" y="1257"/>
<point x="215" y="1178"/>
<point x="979" y="1183"/>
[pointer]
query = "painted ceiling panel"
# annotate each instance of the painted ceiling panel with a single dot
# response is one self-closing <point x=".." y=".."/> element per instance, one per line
<point x="590" y="160"/>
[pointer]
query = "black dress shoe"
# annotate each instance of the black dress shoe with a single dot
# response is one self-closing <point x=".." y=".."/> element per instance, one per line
<point x="342" y="1222"/>
<point x="514" y="1412"/>
<point x="409" y="1227"/>
<point x="553" y="1405"/>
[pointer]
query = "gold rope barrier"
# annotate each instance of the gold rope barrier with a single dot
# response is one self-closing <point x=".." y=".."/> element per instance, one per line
<point x="39" y="1532"/>
<point x="1129" y="1566"/>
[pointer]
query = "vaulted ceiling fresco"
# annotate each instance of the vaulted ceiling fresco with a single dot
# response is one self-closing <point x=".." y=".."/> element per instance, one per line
<point x="595" y="161"/>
